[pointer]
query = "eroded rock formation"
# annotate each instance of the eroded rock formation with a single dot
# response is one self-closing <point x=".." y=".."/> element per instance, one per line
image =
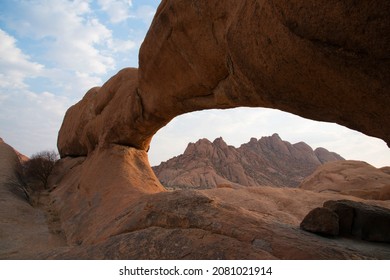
<point x="327" y="60"/>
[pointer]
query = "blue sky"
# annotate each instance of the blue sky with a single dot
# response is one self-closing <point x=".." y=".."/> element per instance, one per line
<point x="53" y="51"/>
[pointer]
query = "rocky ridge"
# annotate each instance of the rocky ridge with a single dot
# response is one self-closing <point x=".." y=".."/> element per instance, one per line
<point x="267" y="161"/>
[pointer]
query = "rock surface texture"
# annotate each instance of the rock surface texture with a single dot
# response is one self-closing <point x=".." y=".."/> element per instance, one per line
<point x="327" y="60"/>
<point x="114" y="217"/>
<point x="350" y="177"/>
<point x="267" y="161"/>
<point x="247" y="223"/>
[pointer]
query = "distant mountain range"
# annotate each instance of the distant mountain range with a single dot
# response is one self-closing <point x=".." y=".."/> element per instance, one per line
<point x="268" y="161"/>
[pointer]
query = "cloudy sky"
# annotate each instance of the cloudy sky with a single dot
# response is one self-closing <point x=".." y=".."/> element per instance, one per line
<point x="53" y="51"/>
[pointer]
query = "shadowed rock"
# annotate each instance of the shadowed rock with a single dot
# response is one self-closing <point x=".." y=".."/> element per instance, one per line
<point x="367" y="222"/>
<point x="321" y="220"/>
<point x="350" y="219"/>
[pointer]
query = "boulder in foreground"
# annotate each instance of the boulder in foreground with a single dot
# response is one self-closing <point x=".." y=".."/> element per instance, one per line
<point x="360" y="220"/>
<point x="349" y="219"/>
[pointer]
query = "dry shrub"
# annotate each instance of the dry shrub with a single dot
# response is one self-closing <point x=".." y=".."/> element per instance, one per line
<point x="38" y="168"/>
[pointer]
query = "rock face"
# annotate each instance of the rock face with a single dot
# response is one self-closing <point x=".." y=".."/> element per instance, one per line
<point x="326" y="61"/>
<point x="267" y="161"/>
<point x="351" y="219"/>
<point x="246" y="223"/>
<point x="349" y="177"/>
<point x="321" y="220"/>
<point x="90" y="193"/>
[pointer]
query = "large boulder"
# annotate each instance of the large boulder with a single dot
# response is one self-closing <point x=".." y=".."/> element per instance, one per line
<point x="360" y="220"/>
<point x="350" y="219"/>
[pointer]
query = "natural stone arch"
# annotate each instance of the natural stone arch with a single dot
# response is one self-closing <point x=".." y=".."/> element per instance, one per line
<point x="224" y="54"/>
<point x="326" y="61"/>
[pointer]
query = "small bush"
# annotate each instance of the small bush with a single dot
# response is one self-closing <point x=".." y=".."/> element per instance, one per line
<point x="39" y="167"/>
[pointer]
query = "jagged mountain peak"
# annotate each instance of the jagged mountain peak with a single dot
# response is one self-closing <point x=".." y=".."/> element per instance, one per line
<point x="219" y="142"/>
<point x="265" y="161"/>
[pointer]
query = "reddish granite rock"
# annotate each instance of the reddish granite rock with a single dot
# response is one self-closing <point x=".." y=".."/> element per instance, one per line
<point x="326" y="61"/>
<point x="267" y="161"/>
<point x="349" y="177"/>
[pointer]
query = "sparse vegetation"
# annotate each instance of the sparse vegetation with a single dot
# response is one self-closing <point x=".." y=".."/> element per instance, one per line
<point x="38" y="168"/>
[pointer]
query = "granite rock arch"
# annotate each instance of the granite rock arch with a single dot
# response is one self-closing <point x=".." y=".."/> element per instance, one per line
<point x="325" y="61"/>
<point x="328" y="64"/>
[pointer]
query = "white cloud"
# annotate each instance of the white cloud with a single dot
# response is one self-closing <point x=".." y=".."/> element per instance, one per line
<point x="57" y="51"/>
<point x="117" y="10"/>
<point x="43" y="18"/>
<point x="122" y="46"/>
<point x="71" y="83"/>
<point x="30" y="121"/>
<point x="75" y="51"/>
<point x="3" y="97"/>
<point x="72" y="38"/>
<point x="121" y="10"/>
<point x="146" y="13"/>
<point x="48" y="102"/>
<point x="15" y="66"/>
